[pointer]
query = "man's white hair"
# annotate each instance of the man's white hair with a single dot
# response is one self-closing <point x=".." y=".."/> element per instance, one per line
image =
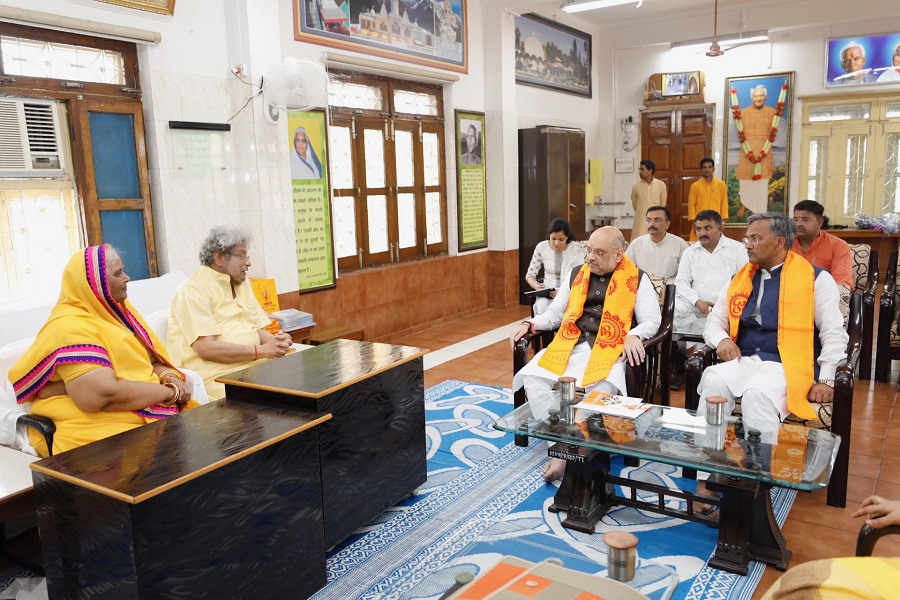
<point x="853" y="44"/>
<point x="761" y="89"/>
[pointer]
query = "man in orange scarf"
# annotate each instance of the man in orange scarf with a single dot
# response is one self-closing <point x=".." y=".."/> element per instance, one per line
<point x="594" y="310"/>
<point x="777" y="328"/>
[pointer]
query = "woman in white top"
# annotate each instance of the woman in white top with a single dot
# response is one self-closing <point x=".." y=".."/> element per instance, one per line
<point x="559" y="254"/>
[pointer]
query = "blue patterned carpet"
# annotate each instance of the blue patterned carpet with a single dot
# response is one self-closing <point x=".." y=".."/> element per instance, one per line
<point x="477" y="477"/>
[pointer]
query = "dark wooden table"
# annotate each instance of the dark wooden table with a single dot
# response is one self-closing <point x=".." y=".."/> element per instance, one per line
<point x="373" y="449"/>
<point x="222" y="501"/>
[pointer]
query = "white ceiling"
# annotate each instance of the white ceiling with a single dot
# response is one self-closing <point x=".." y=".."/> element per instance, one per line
<point x="650" y="12"/>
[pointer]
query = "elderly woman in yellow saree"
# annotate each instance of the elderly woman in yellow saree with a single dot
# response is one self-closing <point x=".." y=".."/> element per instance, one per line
<point x="96" y="368"/>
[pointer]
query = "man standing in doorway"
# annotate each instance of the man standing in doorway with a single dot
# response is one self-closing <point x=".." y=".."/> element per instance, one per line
<point x="757" y="119"/>
<point x="707" y="193"/>
<point x="647" y="192"/>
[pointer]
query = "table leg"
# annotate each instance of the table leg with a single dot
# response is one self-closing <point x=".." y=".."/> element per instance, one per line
<point x="747" y="526"/>
<point x="585" y="492"/>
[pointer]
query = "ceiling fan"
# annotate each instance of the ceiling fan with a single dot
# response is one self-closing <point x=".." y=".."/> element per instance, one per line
<point x="714" y="48"/>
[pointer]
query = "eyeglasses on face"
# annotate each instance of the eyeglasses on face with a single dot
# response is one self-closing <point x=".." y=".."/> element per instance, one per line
<point x="804" y="219"/>
<point x="755" y="239"/>
<point x="240" y="257"/>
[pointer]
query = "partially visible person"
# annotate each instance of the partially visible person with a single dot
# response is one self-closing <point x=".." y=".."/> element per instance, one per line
<point x="757" y="119"/>
<point x="657" y="252"/>
<point x="892" y="73"/>
<point x="603" y="311"/>
<point x="705" y="267"/>
<point x="471" y="155"/>
<point x="847" y="578"/>
<point x="558" y="254"/>
<point x="304" y="162"/>
<point x="96" y="368"/>
<point x="818" y="246"/>
<point x="707" y="193"/>
<point x="777" y="329"/>
<point x="216" y="324"/>
<point x="646" y="192"/>
<point x="853" y="61"/>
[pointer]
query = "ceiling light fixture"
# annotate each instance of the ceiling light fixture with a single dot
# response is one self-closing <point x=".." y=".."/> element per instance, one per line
<point x="571" y="6"/>
<point x="733" y="40"/>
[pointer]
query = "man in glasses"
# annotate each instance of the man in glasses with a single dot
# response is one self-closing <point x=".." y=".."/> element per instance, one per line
<point x="216" y="324"/>
<point x="777" y="328"/>
<point x="819" y="247"/>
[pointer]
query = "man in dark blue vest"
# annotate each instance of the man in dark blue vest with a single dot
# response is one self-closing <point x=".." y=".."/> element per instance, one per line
<point x="777" y="328"/>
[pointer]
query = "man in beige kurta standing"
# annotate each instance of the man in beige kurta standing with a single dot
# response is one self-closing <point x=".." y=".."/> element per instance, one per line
<point x="757" y="119"/>
<point x="647" y="192"/>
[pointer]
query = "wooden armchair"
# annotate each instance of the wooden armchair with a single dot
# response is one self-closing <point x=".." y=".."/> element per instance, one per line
<point x="835" y="417"/>
<point x="642" y="381"/>
<point x="888" y="339"/>
<point x="865" y="275"/>
<point x="865" y="541"/>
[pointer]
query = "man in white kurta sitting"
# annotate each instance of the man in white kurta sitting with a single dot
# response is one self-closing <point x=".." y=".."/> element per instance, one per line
<point x="657" y="252"/>
<point x="777" y="328"/>
<point x="705" y="267"/>
<point x="594" y="310"/>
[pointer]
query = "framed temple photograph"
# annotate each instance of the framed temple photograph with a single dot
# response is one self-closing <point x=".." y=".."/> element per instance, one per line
<point x="426" y="32"/>
<point x="862" y="59"/>
<point x="163" y="7"/>
<point x="552" y="55"/>
<point x="756" y="161"/>
<point x="471" y="189"/>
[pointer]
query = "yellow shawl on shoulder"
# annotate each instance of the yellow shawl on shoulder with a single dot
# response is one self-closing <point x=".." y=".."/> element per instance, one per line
<point x="796" y="321"/>
<point x="618" y="312"/>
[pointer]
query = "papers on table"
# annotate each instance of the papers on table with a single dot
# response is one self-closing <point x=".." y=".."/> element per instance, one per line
<point x="291" y="319"/>
<point x="610" y="404"/>
<point x="682" y="421"/>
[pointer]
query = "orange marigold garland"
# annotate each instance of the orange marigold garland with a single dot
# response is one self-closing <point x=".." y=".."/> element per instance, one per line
<point x="754" y="158"/>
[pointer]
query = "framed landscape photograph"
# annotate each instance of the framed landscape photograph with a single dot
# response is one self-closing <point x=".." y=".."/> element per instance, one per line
<point x="425" y="32"/>
<point x="863" y="59"/>
<point x="471" y="190"/>
<point x="757" y="144"/>
<point x="552" y="55"/>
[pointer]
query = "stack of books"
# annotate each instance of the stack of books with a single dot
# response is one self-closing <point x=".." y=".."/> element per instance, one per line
<point x="291" y="319"/>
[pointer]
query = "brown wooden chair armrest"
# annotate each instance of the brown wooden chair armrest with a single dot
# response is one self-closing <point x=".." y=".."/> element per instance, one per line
<point x="867" y="538"/>
<point x="702" y="357"/>
<point x="886" y="318"/>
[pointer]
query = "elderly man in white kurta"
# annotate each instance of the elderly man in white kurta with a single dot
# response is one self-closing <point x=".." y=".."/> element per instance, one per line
<point x="705" y="267"/>
<point x="594" y="310"/>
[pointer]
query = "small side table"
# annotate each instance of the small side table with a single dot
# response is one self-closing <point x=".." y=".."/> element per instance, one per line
<point x="323" y="335"/>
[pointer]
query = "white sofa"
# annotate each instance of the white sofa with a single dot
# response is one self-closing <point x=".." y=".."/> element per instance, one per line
<point x="151" y="297"/>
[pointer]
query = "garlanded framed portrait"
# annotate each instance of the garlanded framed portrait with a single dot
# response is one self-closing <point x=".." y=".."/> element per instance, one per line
<point x="425" y="32"/>
<point x="471" y="190"/>
<point x="165" y="7"/>
<point x="757" y="144"/>
<point x="863" y="59"/>
<point x="552" y="55"/>
<point x="311" y="198"/>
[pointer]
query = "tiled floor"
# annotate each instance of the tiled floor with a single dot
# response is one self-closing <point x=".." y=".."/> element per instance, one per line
<point x="477" y="349"/>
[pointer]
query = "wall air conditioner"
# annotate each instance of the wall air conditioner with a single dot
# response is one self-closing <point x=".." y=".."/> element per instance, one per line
<point x="30" y="143"/>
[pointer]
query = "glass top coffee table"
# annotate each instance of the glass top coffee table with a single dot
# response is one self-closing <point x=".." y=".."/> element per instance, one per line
<point x="500" y="541"/>
<point x="744" y="462"/>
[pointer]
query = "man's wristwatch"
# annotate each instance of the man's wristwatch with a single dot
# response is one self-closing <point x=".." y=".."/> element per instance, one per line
<point x="530" y="326"/>
<point x="828" y="382"/>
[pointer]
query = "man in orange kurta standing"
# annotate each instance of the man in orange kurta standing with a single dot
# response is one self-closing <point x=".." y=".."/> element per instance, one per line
<point x="819" y="247"/>
<point x="707" y="193"/>
<point x="757" y="119"/>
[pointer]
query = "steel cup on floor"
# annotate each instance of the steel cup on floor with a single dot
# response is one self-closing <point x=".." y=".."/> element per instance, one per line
<point x="621" y="556"/>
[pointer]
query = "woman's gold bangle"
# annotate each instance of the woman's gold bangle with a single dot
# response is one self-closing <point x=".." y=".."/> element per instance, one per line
<point x="174" y="397"/>
<point x="169" y="372"/>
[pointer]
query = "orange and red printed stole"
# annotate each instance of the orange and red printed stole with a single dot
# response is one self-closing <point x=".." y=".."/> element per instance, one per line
<point x="618" y="312"/>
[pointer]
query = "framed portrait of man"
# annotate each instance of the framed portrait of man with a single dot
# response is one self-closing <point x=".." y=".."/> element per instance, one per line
<point x="757" y="144"/>
<point x="862" y="59"/>
<point x="470" y="181"/>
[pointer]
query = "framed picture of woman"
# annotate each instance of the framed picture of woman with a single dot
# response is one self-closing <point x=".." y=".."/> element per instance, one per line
<point x="757" y="144"/>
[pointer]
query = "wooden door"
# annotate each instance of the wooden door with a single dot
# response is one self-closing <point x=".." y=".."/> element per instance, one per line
<point x="676" y="140"/>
